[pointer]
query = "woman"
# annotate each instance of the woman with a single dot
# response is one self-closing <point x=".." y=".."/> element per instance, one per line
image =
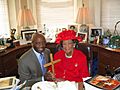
<point x="73" y="64"/>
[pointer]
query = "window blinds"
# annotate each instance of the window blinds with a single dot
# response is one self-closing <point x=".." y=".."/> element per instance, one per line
<point x="59" y="12"/>
<point x="4" y="21"/>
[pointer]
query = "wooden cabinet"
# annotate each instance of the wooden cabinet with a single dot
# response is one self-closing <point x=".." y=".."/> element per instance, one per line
<point x="106" y="56"/>
<point x="8" y="60"/>
<point x="1" y="70"/>
<point x="111" y="57"/>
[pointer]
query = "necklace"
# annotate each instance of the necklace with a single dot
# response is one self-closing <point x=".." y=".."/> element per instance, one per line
<point x="68" y="56"/>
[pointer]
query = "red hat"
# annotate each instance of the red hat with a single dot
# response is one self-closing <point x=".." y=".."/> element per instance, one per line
<point x="67" y="35"/>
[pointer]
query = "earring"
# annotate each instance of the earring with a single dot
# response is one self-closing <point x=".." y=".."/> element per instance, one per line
<point x="74" y="46"/>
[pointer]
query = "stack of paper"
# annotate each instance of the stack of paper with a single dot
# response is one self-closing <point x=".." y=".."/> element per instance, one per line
<point x="63" y="85"/>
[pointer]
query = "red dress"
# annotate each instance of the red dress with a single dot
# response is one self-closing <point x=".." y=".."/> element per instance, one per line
<point x="72" y="69"/>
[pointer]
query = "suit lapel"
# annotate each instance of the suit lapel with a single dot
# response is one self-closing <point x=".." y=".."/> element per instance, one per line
<point x="36" y="60"/>
<point x="46" y="56"/>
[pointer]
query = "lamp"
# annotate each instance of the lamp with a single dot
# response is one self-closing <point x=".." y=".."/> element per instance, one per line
<point x="83" y="18"/>
<point x="25" y="18"/>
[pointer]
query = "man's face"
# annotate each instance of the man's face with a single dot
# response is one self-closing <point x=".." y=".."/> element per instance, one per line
<point x="39" y="44"/>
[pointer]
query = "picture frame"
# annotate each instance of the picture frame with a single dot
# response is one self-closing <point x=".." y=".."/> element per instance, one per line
<point x="103" y="82"/>
<point x="83" y="35"/>
<point x="83" y="28"/>
<point x="95" y="31"/>
<point x="73" y="27"/>
<point x="95" y="34"/>
<point x="7" y="82"/>
<point x="27" y="34"/>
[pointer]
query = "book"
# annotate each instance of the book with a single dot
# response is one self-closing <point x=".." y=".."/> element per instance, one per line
<point x="7" y="82"/>
<point x="103" y="82"/>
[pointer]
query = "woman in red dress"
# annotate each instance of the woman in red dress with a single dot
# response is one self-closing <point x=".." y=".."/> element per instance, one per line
<point x="73" y="64"/>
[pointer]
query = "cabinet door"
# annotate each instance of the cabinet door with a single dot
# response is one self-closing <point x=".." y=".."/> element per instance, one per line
<point x="1" y="72"/>
<point x="110" y="58"/>
<point x="10" y="64"/>
<point x="1" y="68"/>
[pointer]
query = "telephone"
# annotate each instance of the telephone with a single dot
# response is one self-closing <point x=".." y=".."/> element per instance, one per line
<point x="117" y="74"/>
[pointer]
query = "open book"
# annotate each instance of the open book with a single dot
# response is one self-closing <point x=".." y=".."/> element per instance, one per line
<point x="103" y="82"/>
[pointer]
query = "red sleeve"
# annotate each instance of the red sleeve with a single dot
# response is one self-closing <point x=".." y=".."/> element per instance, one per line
<point x="84" y="66"/>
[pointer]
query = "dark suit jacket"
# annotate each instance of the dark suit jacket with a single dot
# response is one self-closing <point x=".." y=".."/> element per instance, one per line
<point x="29" y="67"/>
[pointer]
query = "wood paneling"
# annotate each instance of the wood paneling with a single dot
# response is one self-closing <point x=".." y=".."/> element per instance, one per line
<point x="106" y="57"/>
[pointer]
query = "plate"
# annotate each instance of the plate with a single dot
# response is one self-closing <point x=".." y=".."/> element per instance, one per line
<point x="44" y="86"/>
<point x="63" y="85"/>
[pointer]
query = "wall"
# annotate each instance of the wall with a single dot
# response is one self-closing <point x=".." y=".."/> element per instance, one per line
<point x="97" y="12"/>
<point x="12" y="13"/>
<point x="15" y="5"/>
<point x="110" y="14"/>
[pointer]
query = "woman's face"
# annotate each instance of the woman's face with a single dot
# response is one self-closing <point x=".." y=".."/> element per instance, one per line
<point x="68" y="46"/>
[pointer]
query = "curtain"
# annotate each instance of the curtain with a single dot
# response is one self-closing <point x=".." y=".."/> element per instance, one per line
<point x="4" y="21"/>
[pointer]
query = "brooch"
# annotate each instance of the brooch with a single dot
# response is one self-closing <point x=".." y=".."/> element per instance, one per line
<point x="76" y="65"/>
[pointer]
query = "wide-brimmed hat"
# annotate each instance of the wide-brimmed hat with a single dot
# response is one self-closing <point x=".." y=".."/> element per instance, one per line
<point x="67" y="35"/>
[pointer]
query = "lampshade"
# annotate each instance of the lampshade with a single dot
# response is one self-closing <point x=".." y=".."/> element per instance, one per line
<point x="25" y="18"/>
<point x="83" y="16"/>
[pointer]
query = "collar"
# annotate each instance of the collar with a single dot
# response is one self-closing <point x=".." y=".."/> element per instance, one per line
<point x="36" y="53"/>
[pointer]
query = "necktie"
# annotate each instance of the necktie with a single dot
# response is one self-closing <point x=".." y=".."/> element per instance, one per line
<point x="42" y="63"/>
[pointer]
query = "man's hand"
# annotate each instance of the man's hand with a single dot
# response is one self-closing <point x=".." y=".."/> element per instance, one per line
<point x="49" y="76"/>
<point x="60" y="79"/>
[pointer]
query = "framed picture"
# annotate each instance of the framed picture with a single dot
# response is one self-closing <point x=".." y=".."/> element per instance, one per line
<point x="27" y="34"/>
<point x="84" y="28"/>
<point x="7" y="82"/>
<point x="63" y="29"/>
<point x="95" y="34"/>
<point x="73" y="27"/>
<point x="83" y="36"/>
<point x="96" y="31"/>
<point x="103" y="83"/>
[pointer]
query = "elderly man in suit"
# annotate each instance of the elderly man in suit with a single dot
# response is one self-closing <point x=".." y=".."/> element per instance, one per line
<point x="30" y="66"/>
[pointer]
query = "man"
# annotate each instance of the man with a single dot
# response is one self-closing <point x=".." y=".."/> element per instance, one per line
<point x="30" y="65"/>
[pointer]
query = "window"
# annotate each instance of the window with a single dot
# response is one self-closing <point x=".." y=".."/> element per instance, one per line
<point x="55" y="12"/>
<point x="4" y="21"/>
<point x="54" y="15"/>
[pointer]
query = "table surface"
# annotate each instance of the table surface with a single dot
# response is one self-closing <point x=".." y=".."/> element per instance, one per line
<point x="87" y="86"/>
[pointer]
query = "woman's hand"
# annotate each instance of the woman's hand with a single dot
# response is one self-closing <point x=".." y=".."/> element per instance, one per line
<point x="80" y="86"/>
